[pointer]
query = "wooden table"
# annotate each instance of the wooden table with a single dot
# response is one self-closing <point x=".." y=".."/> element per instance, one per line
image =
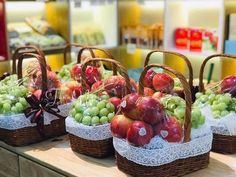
<point x="55" y="159"/>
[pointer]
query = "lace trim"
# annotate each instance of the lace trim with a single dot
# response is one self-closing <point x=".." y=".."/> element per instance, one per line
<point x="99" y="132"/>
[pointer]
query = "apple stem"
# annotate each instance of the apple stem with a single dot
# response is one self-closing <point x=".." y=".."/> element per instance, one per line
<point x="142" y="132"/>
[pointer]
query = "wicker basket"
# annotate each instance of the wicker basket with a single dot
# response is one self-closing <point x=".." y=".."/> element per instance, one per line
<point x="28" y="135"/>
<point x="180" y="166"/>
<point x="97" y="148"/>
<point x="194" y="89"/>
<point x="221" y="143"/>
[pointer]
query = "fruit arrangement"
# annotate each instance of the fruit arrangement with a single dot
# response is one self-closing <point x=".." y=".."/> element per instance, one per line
<point x="218" y="103"/>
<point x="89" y="122"/>
<point x="151" y="128"/>
<point x="90" y="109"/>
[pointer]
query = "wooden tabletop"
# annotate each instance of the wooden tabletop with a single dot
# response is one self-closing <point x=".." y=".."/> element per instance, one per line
<point x="58" y="156"/>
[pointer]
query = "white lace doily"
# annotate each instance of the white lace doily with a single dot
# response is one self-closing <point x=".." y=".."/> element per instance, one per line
<point x="99" y="132"/>
<point x="224" y="126"/>
<point x="159" y="152"/>
<point x="17" y="121"/>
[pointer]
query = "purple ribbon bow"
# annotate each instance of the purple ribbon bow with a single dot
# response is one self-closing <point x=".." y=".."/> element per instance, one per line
<point x="47" y="102"/>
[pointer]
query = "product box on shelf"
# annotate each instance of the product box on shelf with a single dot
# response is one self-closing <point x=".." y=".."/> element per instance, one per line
<point x="181" y="38"/>
<point x="195" y="40"/>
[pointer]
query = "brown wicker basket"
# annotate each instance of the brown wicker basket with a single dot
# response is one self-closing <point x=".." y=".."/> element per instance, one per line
<point x="29" y="135"/>
<point x="178" y="167"/>
<point x="221" y="143"/>
<point x="100" y="148"/>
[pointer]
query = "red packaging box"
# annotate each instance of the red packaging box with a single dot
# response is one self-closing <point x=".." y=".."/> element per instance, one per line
<point x="181" y="38"/>
<point x="195" y="40"/>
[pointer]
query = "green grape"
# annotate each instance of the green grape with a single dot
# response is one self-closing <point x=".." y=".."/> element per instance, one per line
<point x="73" y="112"/>
<point x="103" y="120"/>
<point x="88" y="112"/>
<point x="101" y="105"/>
<point x="110" y="107"/>
<point x="104" y="97"/>
<point x="95" y="120"/>
<point x="78" y="117"/>
<point x="6" y="107"/>
<point x="23" y="102"/>
<point x="19" y="107"/>
<point x="224" y="113"/>
<point x="110" y="116"/>
<point x="198" y="94"/>
<point x="14" y="109"/>
<point x="103" y="112"/>
<point x="94" y="111"/>
<point x="92" y="102"/>
<point x="86" y="120"/>
<point x="179" y="113"/>
<point x="78" y="107"/>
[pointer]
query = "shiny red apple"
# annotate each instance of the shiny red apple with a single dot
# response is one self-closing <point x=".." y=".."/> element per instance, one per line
<point x="75" y="72"/>
<point x="162" y="82"/>
<point x="139" y="133"/>
<point x="150" y="110"/>
<point x="147" y="82"/>
<point x="228" y="84"/>
<point x="170" y="130"/>
<point x="128" y="106"/>
<point x="92" y="75"/>
<point x="120" y="125"/>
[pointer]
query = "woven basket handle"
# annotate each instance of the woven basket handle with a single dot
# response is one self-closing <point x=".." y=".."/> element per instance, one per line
<point x="123" y="72"/>
<point x="186" y="60"/>
<point x="42" y="63"/>
<point x="201" y="84"/>
<point x="17" y="52"/>
<point x="108" y="55"/>
<point x="69" y="46"/>
<point x="187" y="92"/>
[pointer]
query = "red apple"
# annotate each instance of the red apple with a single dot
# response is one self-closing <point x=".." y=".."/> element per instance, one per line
<point x="147" y="82"/>
<point x="228" y="84"/>
<point x="162" y="82"/>
<point x="170" y="130"/>
<point x="120" y="125"/>
<point x="150" y="110"/>
<point x="116" y="102"/>
<point x="139" y="133"/>
<point x="128" y="106"/>
<point x="75" y="72"/>
<point x="92" y="75"/>
<point x="115" y="86"/>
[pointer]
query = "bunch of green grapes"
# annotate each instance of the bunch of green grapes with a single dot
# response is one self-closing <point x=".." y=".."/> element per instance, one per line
<point x="64" y="73"/>
<point x="12" y="96"/>
<point x="221" y="104"/>
<point x="175" y="106"/>
<point x="90" y="109"/>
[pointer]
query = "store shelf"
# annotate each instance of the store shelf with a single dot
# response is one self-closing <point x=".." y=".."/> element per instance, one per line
<point x="193" y="54"/>
<point x="58" y="156"/>
<point x="48" y="51"/>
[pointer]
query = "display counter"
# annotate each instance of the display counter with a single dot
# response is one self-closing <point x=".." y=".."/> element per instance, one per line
<point x="54" y="158"/>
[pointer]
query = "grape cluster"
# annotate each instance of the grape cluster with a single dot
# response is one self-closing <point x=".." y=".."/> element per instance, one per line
<point x="90" y="109"/>
<point x="175" y="106"/>
<point x="221" y="104"/>
<point x="64" y="73"/>
<point x="12" y="96"/>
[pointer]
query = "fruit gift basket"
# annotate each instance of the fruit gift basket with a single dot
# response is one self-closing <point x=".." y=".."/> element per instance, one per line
<point x="27" y="117"/>
<point x="218" y="103"/>
<point x="89" y="122"/>
<point x="150" y="142"/>
<point x="177" y="90"/>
